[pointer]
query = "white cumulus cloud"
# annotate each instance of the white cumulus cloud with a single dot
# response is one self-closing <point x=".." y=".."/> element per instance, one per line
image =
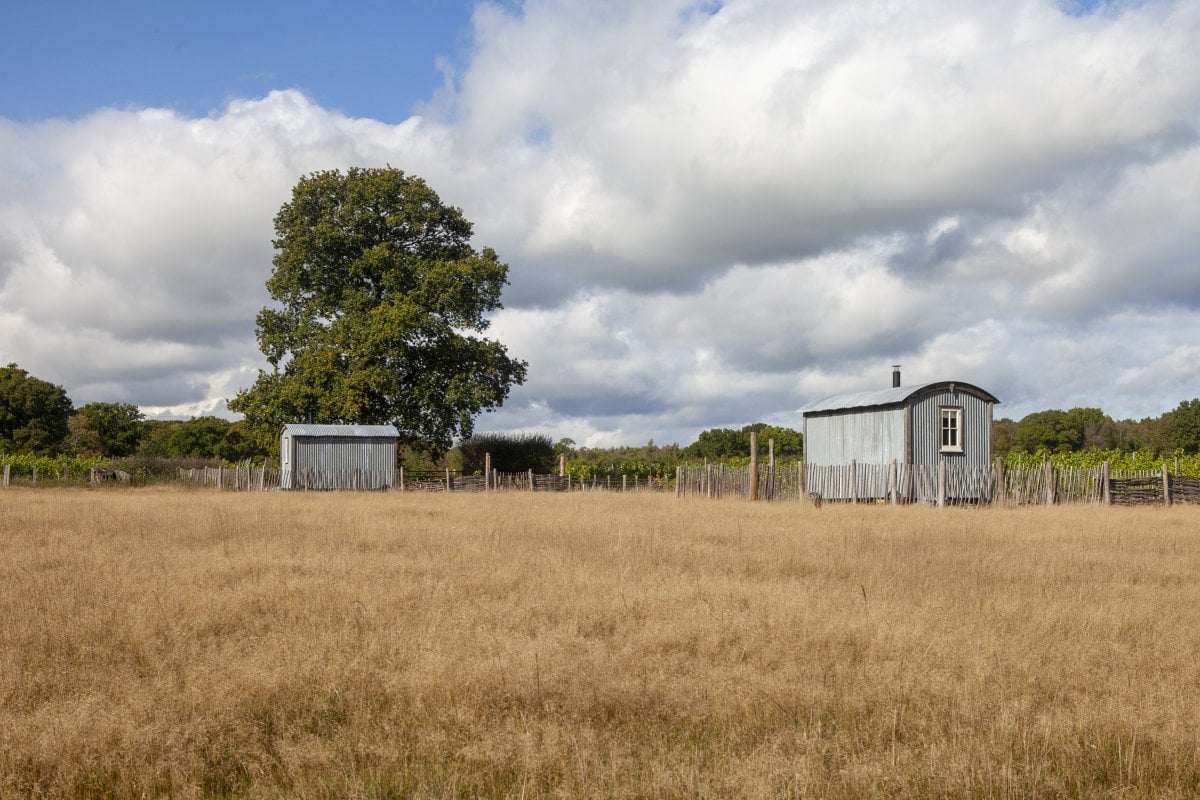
<point x="713" y="212"/>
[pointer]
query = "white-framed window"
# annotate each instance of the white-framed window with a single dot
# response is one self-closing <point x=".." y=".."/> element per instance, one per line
<point x="951" y="430"/>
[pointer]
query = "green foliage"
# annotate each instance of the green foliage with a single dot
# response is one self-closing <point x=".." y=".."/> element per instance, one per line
<point x="210" y="437"/>
<point x="1092" y="429"/>
<point x="585" y="471"/>
<point x="381" y="295"/>
<point x="157" y="469"/>
<point x="1052" y="430"/>
<point x="1121" y="460"/>
<point x="659" y="462"/>
<point x="106" y="429"/>
<point x="1004" y="436"/>
<point x="649" y="460"/>
<point x="718" y="444"/>
<point x="1183" y="426"/>
<point x="33" y="413"/>
<point x="82" y="440"/>
<point x="510" y="453"/>
<point x="156" y="434"/>
<point x="49" y="468"/>
<point x="207" y="438"/>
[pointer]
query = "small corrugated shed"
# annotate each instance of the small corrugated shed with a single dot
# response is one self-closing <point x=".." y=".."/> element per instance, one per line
<point x="338" y="456"/>
<point x="917" y="425"/>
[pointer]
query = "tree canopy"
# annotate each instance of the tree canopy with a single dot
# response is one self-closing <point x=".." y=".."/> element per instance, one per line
<point x="1183" y="426"/>
<point x="106" y="429"/>
<point x="381" y="297"/>
<point x="33" y="413"/>
<point x="509" y="452"/>
<point x="718" y="443"/>
<point x="1057" y="431"/>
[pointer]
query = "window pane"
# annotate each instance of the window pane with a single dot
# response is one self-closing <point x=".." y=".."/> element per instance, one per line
<point x="950" y="426"/>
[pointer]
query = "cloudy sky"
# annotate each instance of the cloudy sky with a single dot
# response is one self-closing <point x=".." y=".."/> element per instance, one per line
<point x="713" y="212"/>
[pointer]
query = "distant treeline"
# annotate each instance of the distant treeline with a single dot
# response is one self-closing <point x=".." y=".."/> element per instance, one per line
<point x="1177" y="432"/>
<point x="37" y="418"/>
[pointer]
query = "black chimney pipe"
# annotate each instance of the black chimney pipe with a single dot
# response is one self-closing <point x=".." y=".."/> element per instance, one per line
<point x="895" y="376"/>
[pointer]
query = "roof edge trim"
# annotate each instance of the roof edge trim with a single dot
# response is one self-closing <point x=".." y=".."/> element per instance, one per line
<point x="891" y="398"/>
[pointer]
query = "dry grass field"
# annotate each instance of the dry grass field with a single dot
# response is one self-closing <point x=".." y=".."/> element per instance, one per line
<point x="171" y="643"/>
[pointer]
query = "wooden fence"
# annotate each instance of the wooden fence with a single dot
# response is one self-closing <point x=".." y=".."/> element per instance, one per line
<point x="942" y="484"/>
<point x="243" y="477"/>
<point x="247" y="477"/>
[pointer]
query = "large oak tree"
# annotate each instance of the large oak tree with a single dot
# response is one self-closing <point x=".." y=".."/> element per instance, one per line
<point x="381" y="299"/>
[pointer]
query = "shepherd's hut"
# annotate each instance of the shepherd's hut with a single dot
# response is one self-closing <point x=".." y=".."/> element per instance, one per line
<point x="851" y="442"/>
<point x="338" y="456"/>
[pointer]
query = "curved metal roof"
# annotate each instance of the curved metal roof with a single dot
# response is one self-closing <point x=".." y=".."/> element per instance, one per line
<point x="341" y="430"/>
<point x="891" y="396"/>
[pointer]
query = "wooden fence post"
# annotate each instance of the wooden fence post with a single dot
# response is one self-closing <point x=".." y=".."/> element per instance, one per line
<point x="7" y="469"/>
<point x="771" y="468"/>
<point x="801" y="478"/>
<point x="1166" y="482"/>
<point x="941" y="480"/>
<point x="531" y="480"/>
<point x="1105" y="483"/>
<point x="487" y="472"/>
<point x="892" y="491"/>
<point x="562" y="464"/>
<point x="1049" y="468"/>
<point x="753" y="465"/>
<point x="853" y="481"/>
<point x="998" y="481"/>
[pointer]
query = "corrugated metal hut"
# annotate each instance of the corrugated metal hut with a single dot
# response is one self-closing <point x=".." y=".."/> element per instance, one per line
<point x="918" y="427"/>
<point x="338" y="456"/>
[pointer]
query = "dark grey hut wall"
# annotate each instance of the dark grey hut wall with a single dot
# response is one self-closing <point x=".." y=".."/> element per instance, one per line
<point x="976" y="433"/>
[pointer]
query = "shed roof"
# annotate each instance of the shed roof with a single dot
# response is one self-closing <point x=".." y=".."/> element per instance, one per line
<point x="364" y="431"/>
<point x="890" y="397"/>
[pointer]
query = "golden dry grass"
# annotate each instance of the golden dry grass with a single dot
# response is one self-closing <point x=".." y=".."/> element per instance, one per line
<point x="195" y="644"/>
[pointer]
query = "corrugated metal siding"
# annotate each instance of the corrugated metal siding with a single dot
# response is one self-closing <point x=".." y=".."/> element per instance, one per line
<point x="976" y="433"/>
<point x="869" y="437"/>
<point x="338" y="462"/>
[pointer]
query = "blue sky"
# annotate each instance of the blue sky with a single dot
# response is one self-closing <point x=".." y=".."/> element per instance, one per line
<point x="713" y="213"/>
<point x="376" y="59"/>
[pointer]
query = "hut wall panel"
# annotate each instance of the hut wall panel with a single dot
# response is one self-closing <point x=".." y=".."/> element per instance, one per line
<point x="976" y="433"/>
<point x="342" y="462"/>
<point x="868" y="437"/>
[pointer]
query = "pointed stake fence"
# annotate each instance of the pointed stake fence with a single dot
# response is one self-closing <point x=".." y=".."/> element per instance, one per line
<point x="943" y="484"/>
